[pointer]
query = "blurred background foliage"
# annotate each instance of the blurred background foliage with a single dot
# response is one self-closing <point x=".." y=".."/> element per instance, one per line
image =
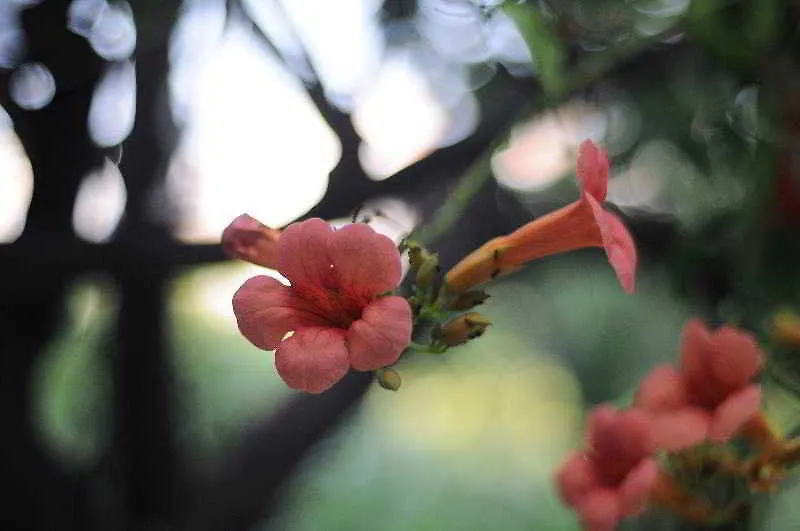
<point x="134" y="132"/>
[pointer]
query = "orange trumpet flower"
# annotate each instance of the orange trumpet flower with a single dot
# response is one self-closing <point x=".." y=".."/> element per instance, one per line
<point x="583" y="223"/>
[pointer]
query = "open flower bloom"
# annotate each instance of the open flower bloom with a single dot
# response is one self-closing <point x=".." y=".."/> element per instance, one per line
<point x="248" y="239"/>
<point x="614" y="477"/>
<point x="583" y="223"/>
<point x="712" y="395"/>
<point x="333" y="305"/>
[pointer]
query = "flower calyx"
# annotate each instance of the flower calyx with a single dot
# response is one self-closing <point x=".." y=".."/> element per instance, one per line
<point x="468" y="300"/>
<point x="462" y="329"/>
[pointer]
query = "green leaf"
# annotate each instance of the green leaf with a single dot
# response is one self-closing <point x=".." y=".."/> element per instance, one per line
<point x="740" y="36"/>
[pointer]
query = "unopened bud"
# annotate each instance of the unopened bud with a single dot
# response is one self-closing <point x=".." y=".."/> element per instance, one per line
<point x="461" y="329"/>
<point x="248" y="239"/>
<point x="467" y="300"/>
<point x="786" y="328"/>
<point x="389" y="378"/>
<point x="417" y="256"/>
<point x="427" y="270"/>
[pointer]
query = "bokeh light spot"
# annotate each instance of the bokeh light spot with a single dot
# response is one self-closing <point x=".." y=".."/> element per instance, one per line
<point x="32" y="86"/>
<point x="99" y="204"/>
<point x="113" y="34"/>
<point x="113" y="107"/>
<point x="16" y="182"/>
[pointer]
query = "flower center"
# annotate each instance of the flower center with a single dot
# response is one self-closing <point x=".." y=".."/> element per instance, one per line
<point x="339" y="306"/>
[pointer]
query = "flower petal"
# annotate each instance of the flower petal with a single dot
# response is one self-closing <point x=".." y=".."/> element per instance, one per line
<point x="716" y="364"/>
<point x="248" y="239"/>
<point x="366" y="263"/>
<point x="626" y="435"/>
<point x="570" y="227"/>
<point x="618" y="243"/>
<point x="680" y="428"/>
<point x="303" y="254"/>
<point x="734" y="412"/>
<point x="266" y="309"/>
<point x="592" y="170"/>
<point x="737" y="358"/>
<point x="313" y="359"/>
<point x="696" y="341"/>
<point x="634" y="492"/>
<point x="620" y="442"/>
<point x="662" y="389"/>
<point x="601" y="419"/>
<point x="379" y="337"/>
<point x="600" y="510"/>
<point x="575" y="478"/>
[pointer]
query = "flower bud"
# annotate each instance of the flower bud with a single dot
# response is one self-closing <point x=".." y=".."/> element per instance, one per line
<point x="461" y="329"/>
<point x="786" y="328"/>
<point x="427" y="270"/>
<point x="248" y="239"/>
<point x="389" y="378"/>
<point x="467" y="300"/>
<point x="417" y="256"/>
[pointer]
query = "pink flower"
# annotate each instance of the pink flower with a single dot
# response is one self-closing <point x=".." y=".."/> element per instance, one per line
<point x="614" y="477"/>
<point x="248" y="239"/>
<point x="712" y="395"/>
<point x="583" y="223"/>
<point x="333" y="305"/>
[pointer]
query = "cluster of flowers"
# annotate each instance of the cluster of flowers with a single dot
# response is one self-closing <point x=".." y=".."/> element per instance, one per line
<point x="709" y="399"/>
<point x="339" y="312"/>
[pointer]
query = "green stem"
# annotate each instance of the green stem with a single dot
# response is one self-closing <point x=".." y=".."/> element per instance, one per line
<point x="424" y="349"/>
<point x="416" y="347"/>
<point x="586" y="72"/>
<point x="468" y="186"/>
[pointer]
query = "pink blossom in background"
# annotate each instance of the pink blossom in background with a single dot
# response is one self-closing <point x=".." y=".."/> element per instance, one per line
<point x="611" y="479"/>
<point x="333" y="306"/>
<point x="712" y="395"/>
<point x="583" y="223"/>
<point x="248" y="239"/>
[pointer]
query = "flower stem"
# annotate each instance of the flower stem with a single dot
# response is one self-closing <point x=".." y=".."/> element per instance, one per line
<point x="424" y="349"/>
<point x="468" y="186"/>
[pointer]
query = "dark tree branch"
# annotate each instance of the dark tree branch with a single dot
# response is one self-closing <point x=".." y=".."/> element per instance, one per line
<point x="251" y="480"/>
<point x="144" y="441"/>
<point x="56" y="140"/>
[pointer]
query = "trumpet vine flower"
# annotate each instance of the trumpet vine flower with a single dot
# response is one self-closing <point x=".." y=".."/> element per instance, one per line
<point x="583" y="223"/>
<point x="335" y="306"/>
<point x="248" y="239"/>
<point x="614" y="476"/>
<point x="712" y="395"/>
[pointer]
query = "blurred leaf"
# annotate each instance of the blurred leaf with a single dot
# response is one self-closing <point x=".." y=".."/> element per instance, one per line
<point x="740" y="33"/>
<point x="73" y="382"/>
<point x="542" y="39"/>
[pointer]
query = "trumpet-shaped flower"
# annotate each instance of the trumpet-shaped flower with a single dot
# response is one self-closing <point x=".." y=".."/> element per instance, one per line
<point x="333" y="307"/>
<point x="248" y="239"/>
<point x="583" y="223"/>
<point x="712" y="395"/>
<point x="611" y="479"/>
